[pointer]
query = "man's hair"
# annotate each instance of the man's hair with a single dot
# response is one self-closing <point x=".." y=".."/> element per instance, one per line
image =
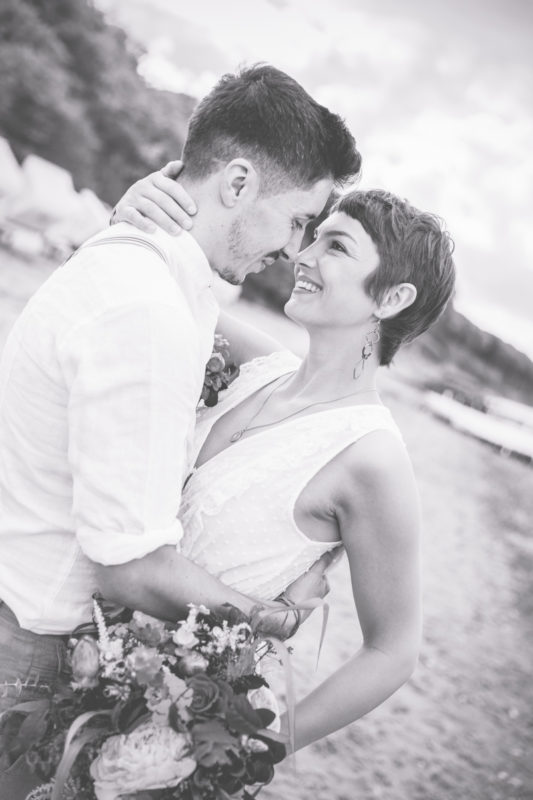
<point x="264" y="115"/>
<point x="413" y="247"/>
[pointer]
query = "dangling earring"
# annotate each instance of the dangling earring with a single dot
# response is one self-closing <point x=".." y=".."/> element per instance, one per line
<point x="371" y="339"/>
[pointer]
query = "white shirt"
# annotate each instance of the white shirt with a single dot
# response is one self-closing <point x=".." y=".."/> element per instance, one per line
<point x="99" y="382"/>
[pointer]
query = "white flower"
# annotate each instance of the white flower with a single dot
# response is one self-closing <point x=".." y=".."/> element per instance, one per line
<point x="112" y="650"/>
<point x="159" y="700"/>
<point x="263" y="697"/>
<point x="184" y="637"/>
<point x="238" y="635"/>
<point x="150" y="757"/>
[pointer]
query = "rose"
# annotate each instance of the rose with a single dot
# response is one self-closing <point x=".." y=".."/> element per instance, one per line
<point x="85" y="663"/>
<point x="150" y="630"/>
<point x="205" y="694"/>
<point x="150" y="757"/>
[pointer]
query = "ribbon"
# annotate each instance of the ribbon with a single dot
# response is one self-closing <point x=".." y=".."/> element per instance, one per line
<point x="72" y="748"/>
<point x="306" y="605"/>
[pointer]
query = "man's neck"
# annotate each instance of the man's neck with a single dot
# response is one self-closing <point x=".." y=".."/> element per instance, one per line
<point x="202" y="230"/>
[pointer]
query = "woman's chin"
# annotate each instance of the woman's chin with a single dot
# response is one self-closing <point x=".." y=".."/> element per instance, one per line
<point x="293" y="310"/>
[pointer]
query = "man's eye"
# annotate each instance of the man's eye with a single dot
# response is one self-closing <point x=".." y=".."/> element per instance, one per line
<point x="297" y="225"/>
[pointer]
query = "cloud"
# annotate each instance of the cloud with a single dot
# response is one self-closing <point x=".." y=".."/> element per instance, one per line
<point x="437" y="94"/>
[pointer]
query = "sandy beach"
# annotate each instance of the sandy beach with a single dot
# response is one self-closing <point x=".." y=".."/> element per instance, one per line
<point x="462" y="728"/>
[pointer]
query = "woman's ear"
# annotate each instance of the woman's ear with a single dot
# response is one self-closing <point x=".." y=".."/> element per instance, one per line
<point x="238" y="181"/>
<point x="396" y="299"/>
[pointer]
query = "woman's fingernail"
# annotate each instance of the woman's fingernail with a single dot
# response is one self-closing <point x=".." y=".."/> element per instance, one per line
<point x="175" y="230"/>
<point x="191" y="209"/>
<point x="187" y="223"/>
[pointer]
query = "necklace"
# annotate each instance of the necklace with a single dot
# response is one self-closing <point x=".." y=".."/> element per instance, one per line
<point x="249" y="427"/>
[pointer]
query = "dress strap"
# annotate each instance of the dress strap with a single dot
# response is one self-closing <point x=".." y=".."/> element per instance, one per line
<point x="327" y="435"/>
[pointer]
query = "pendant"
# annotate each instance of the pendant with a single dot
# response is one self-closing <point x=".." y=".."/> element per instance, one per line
<point x="236" y="436"/>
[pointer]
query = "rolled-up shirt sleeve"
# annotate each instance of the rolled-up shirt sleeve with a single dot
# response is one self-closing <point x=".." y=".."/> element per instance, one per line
<point x="132" y="375"/>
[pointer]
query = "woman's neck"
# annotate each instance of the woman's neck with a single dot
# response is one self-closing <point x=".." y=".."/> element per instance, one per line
<point x="327" y="369"/>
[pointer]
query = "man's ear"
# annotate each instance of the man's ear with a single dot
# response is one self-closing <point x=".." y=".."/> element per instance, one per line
<point x="396" y="299"/>
<point x="238" y="181"/>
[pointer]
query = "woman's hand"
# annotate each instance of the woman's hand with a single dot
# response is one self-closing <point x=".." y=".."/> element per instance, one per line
<point x="157" y="200"/>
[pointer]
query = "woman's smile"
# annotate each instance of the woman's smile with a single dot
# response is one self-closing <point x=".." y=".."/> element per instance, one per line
<point x="305" y="285"/>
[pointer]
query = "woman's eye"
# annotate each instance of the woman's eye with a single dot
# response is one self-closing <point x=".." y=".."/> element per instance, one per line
<point x="336" y="245"/>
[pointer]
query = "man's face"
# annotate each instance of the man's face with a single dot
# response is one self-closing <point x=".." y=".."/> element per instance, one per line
<point x="269" y="227"/>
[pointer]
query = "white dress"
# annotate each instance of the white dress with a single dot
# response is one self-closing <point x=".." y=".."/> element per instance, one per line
<point x="237" y="508"/>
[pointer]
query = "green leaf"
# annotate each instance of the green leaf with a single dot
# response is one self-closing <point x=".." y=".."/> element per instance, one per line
<point x="212" y="743"/>
<point x="242" y="717"/>
<point x="32" y="730"/>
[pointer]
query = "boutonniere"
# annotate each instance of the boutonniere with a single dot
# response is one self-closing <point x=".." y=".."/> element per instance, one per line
<point x="219" y="371"/>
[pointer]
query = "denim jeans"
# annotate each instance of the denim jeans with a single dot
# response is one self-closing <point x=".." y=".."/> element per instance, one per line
<point x="31" y="666"/>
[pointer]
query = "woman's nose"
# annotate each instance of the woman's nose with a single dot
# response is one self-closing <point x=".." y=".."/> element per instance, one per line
<point x="306" y="257"/>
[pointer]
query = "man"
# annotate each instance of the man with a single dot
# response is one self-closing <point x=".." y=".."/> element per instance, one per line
<point x="101" y="375"/>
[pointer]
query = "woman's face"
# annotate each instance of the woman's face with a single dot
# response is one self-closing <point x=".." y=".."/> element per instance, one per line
<point x="330" y="276"/>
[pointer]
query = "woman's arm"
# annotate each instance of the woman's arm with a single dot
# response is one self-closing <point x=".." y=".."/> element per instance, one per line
<point x="157" y="200"/>
<point x="246" y="341"/>
<point x="377" y="511"/>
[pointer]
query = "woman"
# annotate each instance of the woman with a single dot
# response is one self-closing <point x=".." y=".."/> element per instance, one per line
<point x="301" y="457"/>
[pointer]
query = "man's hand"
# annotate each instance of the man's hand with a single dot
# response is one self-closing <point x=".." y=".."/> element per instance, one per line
<point x="310" y="585"/>
<point x="157" y="201"/>
<point x="313" y="583"/>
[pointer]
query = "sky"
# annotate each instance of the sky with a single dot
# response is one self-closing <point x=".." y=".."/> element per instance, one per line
<point x="438" y="94"/>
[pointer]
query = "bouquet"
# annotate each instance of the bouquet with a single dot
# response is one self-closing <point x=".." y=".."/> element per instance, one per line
<point x="219" y="373"/>
<point x="157" y="710"/>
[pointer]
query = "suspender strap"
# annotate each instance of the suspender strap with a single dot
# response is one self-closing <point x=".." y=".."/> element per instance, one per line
<point x="135" y="240"/>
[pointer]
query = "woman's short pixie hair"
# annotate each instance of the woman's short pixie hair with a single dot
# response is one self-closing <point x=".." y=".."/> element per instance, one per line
<point x="413" y="247"/>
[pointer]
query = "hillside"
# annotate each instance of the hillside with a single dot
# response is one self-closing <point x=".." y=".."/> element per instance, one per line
<point x="70" y="92"/>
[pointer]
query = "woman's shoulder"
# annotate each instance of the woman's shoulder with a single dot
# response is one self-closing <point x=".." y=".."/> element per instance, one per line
<point x="376" y="466"/>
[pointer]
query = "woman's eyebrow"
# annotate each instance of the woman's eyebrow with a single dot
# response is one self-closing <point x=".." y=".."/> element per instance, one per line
<point x="328" y="232"/>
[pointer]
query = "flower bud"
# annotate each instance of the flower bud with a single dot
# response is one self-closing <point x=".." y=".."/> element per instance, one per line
<point x="193" y="662"/>
<point x="85" y="663"/>
<point x="216" y="363"/>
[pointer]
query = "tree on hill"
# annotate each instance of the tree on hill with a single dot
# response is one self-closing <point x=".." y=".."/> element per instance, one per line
<point x="70" y="92"/>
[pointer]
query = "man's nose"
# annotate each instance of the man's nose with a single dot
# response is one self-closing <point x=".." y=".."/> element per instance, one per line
<point x="306" y="257"/>
<point x="290" y="251"/>
<point x="292" y="248"/>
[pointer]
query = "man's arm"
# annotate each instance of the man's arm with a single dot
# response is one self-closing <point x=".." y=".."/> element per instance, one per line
<point x="132" y="388"/>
